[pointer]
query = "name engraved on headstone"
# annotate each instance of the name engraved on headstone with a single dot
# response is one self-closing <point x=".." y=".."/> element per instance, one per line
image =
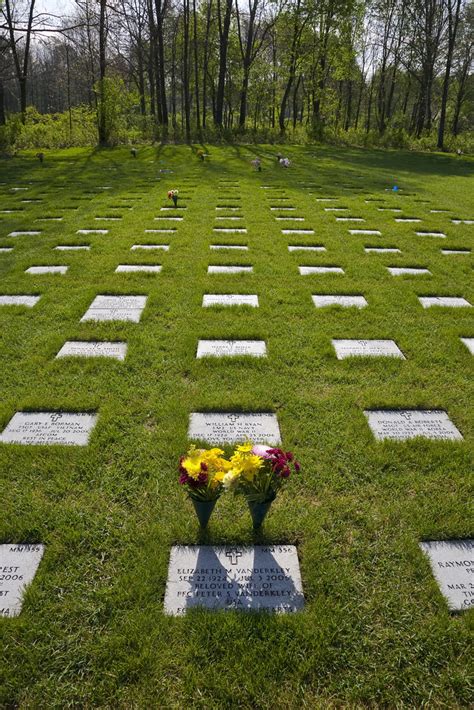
<point x="366" y="348"/>
<point x="452" y="562"/>
<point x="73" y="348"/>
<point x="67" y="428"/>
<point x="237" y="578"/>
<point x="18" y="565"/>
<point x="229" y="299"/>
<point x="231" y="427"/>
<point x="403" y="424"/>
<point x="110" y="308"/>
<point x="231" y="348"/>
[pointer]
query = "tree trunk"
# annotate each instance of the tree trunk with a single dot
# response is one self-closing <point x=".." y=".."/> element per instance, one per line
<point x="196" y="66"/>
<point x="103" y="128"/>
<point x="452" y="32"/>
<point x="224" y="26"/>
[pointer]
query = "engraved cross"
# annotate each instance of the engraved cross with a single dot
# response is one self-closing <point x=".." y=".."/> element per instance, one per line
<point x="233" y="554"/>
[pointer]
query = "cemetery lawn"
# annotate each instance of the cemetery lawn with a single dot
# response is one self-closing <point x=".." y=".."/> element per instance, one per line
<point x="375" y="630"/>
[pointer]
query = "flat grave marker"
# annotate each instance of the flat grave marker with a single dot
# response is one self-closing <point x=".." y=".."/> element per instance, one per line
<point x="442" y="235"/>
<point x="76" y="348"/>
<point x="444" y="301"/>
<point x="229" y="269"/>
<point x="382" y="250"/>
<point x="238" y="247"/>
<point x="18" y="564"/>
<point x="452" y="564"/>
<point x="231" y="348"/>
<point x="232" y="427"/>
<point x="297" y="231"/>
<point x="230" y="230"/>
<point x="324" y="300"/>
<point x="28" y="233"/>
<point x="27" y="301"/>
<point x="138" y="268"/>
<point x="350" y="219"/>
<point x="233" y="577"/>
<point x="111" y="308"/>
<point x="311" y="270"/>
<point x="229" y="299"/>
<point x="302" y="247"/>
<point x="39" y="270"/>
<point x="5" y="250"/>
<point x="365" y="231"/>
<point x="92" y="231"/>
<point x="403" y="424"/>
<point x="469" y="343"/>
<point x="462" y="221"/>
<point x="407" y="270"/>
<point x="366" y="348"/>
<point x="407" y="220"/>
<point x="45" y="428"/>
<point x="456" y="251"/>
<point x="149" y="247"/>
<point x="72" y="247"/>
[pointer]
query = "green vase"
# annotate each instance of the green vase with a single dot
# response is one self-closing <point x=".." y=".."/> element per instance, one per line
<point x="258" y="511"/>
<point x="203" y="510"/>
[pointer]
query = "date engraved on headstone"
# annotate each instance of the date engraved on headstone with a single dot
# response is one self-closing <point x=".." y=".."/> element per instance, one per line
<point x="66" y="428"/>
<point x="402" y="424"/>
<point x="452" y="562"/>
<point x="231" y="427"/>
<point x="18" y="565"/>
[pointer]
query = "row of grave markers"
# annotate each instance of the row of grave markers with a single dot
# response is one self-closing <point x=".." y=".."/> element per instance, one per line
<point x="259" y="577"/>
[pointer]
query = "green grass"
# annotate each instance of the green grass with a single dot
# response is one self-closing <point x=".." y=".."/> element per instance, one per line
<point x="375" y="630"/>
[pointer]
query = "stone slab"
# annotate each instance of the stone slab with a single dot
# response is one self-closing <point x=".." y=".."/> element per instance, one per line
<point x="406" y="270"/>
<point x="297" y="231"/>
<point x="462" y="221"/>
<point x="79" y="247"/>
<point x="336" y="209"/>
<point x="149" y="247"/>
<point x="107" y="219"/>
<point x="311" y="270"/>
<point x="5" y="250"/>
<point x="66" y="428"/>
<point x="111" y="308"/>
<point x="305" y="248"/>
<point x="76" y="348"/>
<point x="232" y="427"/>
<point x="456" y="251"/>
<point x="18" y="566"/>
<point x="382" y="250"/>
<point x="407" y="220"/>
<point x="231" y="348"/>
<point x="169" y="219"/>
<point x="438" y="211"/>
<point x="445" y="301"/>
<point x="283" y="208"/>
<point x="230" y="230"/>
<point x="403" y="424"/>
<point x="46" y="270"/>
<point x="469" y="343"/>
<point x="452" y="563"/>
<point x="27" y="301"/>
<point x="388" y="209"/>
<point x="322" y="301"/>
<point x="229" y="299"/>
<point x="228" y="218"/>
<point x="290" y="219"/>
<point x="365" y="231"/>
<point x="29" y="233"/>
<point x="133" y="268"/>
<point x="231" y="209"/>
<point x="442" y="235"/>
<point x="366" y="348"/>
<point x="92" y="231"/>
<point x="229" y="269"/>
<point x="258" y="578"/>
<point x="238" y="247"/>
<point x="350" y="219"/>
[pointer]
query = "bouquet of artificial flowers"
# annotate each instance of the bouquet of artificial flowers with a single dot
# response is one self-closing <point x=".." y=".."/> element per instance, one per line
<point x="257" y="164"/>
<point x="173" y="195"/>
<point x="258" y="472"/>
<point x="202" y="473"/>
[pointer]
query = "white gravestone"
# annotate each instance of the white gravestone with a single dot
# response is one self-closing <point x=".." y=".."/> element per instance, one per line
<point x="282" y="208"/>
<point x="336" y="209"/>
<point x="230" y="218"/>
<point x="24" y="234"/>
<point x="170" y="219"/>
<point x="407" y="220"/>
<point x="290" y="219"/>
<point x="365" y="231"/>
<point x="305" y="248"/>
<point x="456" y="251"/>
<point x="110" y="308"/>
<point x="382" y="250"/>
<point x="321" y="301"/>
<point x="27" y="301"/>
<point x="92" y="231"/>
<point x="149" y="247"/>
<point x="407" y="270"/>
<point x="238" y="247"/>
<point x="230" y="230"/>
<point x="231" y="209"/>
<point x="403" y="424"/>
<point x="232" y="427"/>
<point x="447" y="301"/>
<point x="78" y="247"/>
<point x="350" y="219"/>
<point x="229" y="269"/>
<point x="39" y="270"/>
<point x="229" y="299"/>
<point x="297" y="231"/>
<point x="366" y="348"/>
<point x="133" y="268"/>
<point x="76" y="348"/>
<point x="238" y="578"/>
<point x="431" y="234"/>
<point x="5" y="250"/>
<point x="462" y="221"/>
<point x="452" y="563"/>
<point x="161" y="231"/>
<point x="469" y="343"/>
<point x="308" y="270"/>
<point x="231" y="348"/>
<point x="18" y="565"/>
<point x="66" y="428"/>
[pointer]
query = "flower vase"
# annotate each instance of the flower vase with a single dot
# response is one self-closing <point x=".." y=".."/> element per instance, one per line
<point x="175" y="200"/>
<point x="203" y="510"/>
<point x="258" y="511"/>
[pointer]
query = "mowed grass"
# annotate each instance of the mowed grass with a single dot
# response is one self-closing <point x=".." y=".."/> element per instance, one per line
<point x="375" y="630"/>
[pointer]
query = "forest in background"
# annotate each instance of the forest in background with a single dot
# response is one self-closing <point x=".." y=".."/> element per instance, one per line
<point x="394" y="73"/>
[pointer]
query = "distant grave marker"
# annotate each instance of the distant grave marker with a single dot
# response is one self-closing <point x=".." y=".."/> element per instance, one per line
<point x="229" y="269"/>
<point x="18" y="564"/>
<point x="322" y="301"/>
<point x="231" y="427"/>
<point x="456" y="251"/>
<point x="309" y="270"/>
<point x="27" y="301"/>
<point x="403" y="424"/>
<point x="297" y="231"/>
<point x="229" y="299"/>
<point x="382" y="250"/>
<point x="92" y="231"/>
<point x="231" y="348"/>
<point x="469" y="343"/>
<point x="29" y="233"/>
<point x="72" y="247"/>
<point x="149" y="247"/>
<point x="39" y="270"/>
<point x="238" y="247"/>
<point x="407" y="270"/>
<point x="366" y="348"/>
<point x="302" y="247"/>
<point x="138" y="268"/>
<point x="75" y="348"/>
<point x="431" y="234"/>
<point x="238" y="578"/>
<point x="230" y="230"/>
<point x="444" y="301"/>
<point x="110" y="308"/>
<point x="45" y="428"/>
